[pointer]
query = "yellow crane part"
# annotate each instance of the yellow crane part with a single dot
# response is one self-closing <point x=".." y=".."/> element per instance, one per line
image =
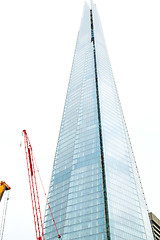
<point x="3" y="187"/>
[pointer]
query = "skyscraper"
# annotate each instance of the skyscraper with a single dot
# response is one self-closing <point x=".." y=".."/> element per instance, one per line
<point x="95" y="190"/>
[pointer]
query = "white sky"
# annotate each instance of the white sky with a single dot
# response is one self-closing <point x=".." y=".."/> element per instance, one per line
<point x="37" y="42"/>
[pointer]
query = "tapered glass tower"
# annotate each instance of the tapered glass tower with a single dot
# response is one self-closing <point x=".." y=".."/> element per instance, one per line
<point x="95" y="190"/>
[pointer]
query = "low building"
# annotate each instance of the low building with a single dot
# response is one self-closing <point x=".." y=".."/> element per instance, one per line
<point x="155" y="223"/>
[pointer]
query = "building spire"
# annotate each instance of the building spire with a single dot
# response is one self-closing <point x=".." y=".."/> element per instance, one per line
<point x="91" y="4"/>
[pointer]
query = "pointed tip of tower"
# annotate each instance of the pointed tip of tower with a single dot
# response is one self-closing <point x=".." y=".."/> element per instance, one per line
<point x="89" y="3"/>
<point x="92" y="3"/>
<point x="86" y="4"/>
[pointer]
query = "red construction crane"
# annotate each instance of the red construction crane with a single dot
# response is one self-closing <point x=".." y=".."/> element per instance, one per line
<point x="34" y="190"/>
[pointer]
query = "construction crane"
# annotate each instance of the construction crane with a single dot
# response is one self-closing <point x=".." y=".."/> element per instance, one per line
<point x="31" y="166"/>
<point x="4" y="187"/>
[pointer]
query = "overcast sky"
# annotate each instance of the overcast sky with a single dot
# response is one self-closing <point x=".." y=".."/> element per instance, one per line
<point x="37" y="42"/>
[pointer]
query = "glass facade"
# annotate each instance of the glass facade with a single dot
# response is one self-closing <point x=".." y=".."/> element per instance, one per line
<point x="95" y="190"/>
